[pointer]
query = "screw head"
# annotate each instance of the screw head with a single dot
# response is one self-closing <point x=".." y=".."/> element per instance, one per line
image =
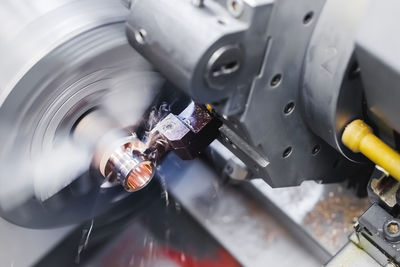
<point x="140" y="36"/>
<point x="391" y="230"/>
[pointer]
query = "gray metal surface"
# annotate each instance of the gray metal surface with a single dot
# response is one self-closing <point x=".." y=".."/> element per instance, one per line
<point x="332" y="90"/>
<point x="210" y="51"/>
<point x="21" y="247"/>
<point x="248" y="230"/>
<point x="273" y="118"/>
<point x="263" y="114"/>
<point x="378" y="54"/>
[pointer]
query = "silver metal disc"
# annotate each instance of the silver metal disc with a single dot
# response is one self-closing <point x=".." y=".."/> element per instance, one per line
<point x="61" y="59"/>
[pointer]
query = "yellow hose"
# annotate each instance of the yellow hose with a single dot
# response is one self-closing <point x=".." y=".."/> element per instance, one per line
<point x="358" y="136"/>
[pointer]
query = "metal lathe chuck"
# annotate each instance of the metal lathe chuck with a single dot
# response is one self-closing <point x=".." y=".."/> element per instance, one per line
<point x="49" y="80"/>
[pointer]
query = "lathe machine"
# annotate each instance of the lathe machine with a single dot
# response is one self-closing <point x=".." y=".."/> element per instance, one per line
<point x="295" y="102"/>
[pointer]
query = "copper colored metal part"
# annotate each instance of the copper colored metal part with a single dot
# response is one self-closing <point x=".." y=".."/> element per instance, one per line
<point x="140" y="176"/>
<point x="129" y="166"/>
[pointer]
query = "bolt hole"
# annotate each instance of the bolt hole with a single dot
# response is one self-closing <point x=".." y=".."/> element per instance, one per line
<point x="140" y="36"/>
<point x="316" y="149"/>
<point x="289" y="108"/>
<point x="276" y="80"/>
<point x="286" y="153"/>
<point x="308" y="18"/>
